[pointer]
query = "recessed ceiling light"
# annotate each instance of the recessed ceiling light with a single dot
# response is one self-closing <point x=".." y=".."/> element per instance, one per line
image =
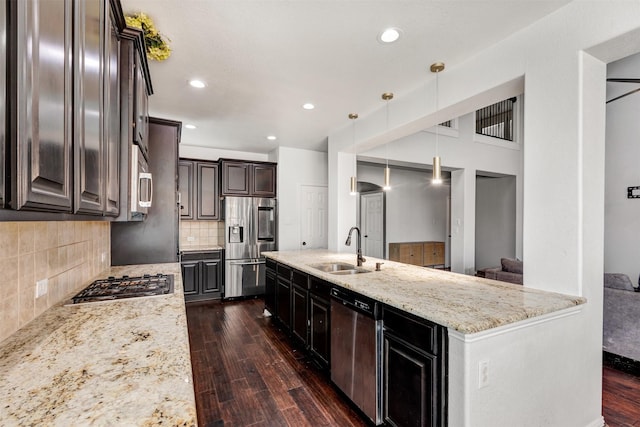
<point x="197" y="83"/>
<point x="389" y="35"/>
<point x="271" y="138"/>
<point x="308" y="106"/>
<point x="190" y="126"/>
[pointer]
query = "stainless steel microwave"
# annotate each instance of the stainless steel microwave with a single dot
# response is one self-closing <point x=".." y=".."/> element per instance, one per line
<point x="141" y="184"/>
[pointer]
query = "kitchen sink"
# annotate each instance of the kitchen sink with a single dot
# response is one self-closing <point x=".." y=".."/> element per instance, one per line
<point x="339" y="268"/>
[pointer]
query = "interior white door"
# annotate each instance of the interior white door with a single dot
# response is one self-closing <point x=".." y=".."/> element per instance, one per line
<point x="372" y="224"/>
<point x="313" y="217"/>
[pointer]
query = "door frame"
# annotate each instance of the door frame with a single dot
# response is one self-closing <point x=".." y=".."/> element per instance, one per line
<point x="384" y="215"/>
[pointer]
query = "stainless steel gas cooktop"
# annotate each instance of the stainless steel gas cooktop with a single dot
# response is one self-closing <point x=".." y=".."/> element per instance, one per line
<point x="113" y="288"/>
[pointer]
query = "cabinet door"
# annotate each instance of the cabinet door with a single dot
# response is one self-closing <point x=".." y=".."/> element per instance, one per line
<point x="191" y="277"/>
<point x="319" y="337"/>
<point x="270" y="292"/>
<point x="211" y="283"/>
<point x="111" y="120"/>
<point x="185" y="186"/>
<point x="264" y="180"/>
<point x="283" y="303"/>
<point x="140" y="106"/>
<point x="299" y="313"/>
<point x="3" y="98"/>
<point x="40" y="94"/>
<point x="410" y="392"/>
<point x="88" y="130"/>
<point x="208" y="200"/>
<point x="235" y="178"/>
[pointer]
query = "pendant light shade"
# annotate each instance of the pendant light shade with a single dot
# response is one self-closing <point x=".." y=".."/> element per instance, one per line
<point x="437" y="170"/>
<point x="387" y="96"/>
<point x="387" y="179"/>
<point x="353" y="182"/>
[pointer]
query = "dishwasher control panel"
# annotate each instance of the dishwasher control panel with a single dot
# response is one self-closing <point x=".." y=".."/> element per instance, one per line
<point x="357" y="301"/>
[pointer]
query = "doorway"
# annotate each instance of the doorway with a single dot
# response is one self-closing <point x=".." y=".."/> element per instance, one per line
<point x="372" y="220"/>
<point x="312" y="212"/>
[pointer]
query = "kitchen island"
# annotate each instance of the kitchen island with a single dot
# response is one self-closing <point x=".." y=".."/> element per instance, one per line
<point x="509" y="349"/>
<point x="121" y="362"/>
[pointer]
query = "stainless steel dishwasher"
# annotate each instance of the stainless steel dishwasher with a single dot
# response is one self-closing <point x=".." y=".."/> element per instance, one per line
<point x="356" y="344"/>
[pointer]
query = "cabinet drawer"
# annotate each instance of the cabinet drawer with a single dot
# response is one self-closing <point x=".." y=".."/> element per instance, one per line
<point x="270" y="264"/>
<point x="320" y="287"/>
<point x="300" y="279"/>
<point x="414" y="331"/>
<point x="284" y="271"/>
<point x="200" y="256"/>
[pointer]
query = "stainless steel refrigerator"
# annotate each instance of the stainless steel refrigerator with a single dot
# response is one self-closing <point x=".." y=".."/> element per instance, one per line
<point x="250" y="229"/>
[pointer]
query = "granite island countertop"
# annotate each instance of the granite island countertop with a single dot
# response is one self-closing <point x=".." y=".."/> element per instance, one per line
<point x="466" y="304"/>
<point x="122" y="362"/>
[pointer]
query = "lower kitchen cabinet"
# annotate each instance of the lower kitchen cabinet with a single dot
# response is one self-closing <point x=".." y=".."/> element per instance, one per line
<point x="202" y="275"/>
<point x="270" y="286"/>
<point x="283" y="296"/>
<point x="319" y="321"/>
<point x="299" y="303"/>
<point x="414" y="371"/>
<point x="299" y="307"/>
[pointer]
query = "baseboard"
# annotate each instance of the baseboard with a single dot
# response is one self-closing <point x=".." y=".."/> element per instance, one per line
<point x="599" y="422"/>
<point x="621" y="363"/>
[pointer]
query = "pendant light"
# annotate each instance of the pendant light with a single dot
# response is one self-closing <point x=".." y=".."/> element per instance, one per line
<point x="437" y="171"/>
<point x="387" y="96"/>
<point x="353" y="187"/>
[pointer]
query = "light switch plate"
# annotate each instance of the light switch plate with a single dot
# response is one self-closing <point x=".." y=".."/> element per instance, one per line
<point x="42" y="287"/>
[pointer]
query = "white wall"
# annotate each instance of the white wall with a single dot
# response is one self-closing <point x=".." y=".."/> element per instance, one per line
<point x="415" y="210"/>
<point x="561" y="59"/>
<point x="295" y="168"/>
<point x="207" y="153"/>
<point x="495" y="220"/>
<point x="464" y="153"/>
<point x="622" y="167"/>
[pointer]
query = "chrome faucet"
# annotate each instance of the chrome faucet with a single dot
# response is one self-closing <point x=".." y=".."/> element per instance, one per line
<point x="358" y="246"/>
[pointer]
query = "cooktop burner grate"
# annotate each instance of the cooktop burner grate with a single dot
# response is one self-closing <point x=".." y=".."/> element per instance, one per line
<point x="126" y="287"/>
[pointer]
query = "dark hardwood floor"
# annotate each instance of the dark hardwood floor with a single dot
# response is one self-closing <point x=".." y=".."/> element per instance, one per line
<point x="620" y="398"/>
<point x="246" y="373"/>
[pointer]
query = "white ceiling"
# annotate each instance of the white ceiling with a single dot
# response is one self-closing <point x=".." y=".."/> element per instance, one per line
<point x="263" y="59"/>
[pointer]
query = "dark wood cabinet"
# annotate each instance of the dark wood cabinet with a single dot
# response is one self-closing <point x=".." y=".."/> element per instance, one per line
<point x="111" y="121"/>
<point x="239" y="178"/>
<point x="202" y="275"/>
<point x="270" y="286"/>
<point x="319" y="321"/>
<point x="40" y="95"/>
<point x="283" y="296"/>
<point x="263" y="181"/>
<point x="235" y="178"/>
<point x="89" y="144"/>
<point x="185" y="186"/>
<point x="207" y="199"/>
<point x="199" y="190"/>
<point x="299" y="307"/>
<point x="414" y="373"/>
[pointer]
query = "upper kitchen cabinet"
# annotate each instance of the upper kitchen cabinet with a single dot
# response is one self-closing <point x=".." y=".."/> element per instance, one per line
<point x="240" y="178"/>
<point x="40" y="96"/>
<point x="199" y="195"/>
<point x="207" y="199"/>
<point x="63" y="92"/>
<point x="185" y="186"/>
<point x="133" y="158"/>
<point x="3" y="98"/>
<point x="89" y="142"/>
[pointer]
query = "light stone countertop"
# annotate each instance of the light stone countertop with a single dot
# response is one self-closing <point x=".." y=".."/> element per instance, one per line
<point x="121" y="362"/>
<point x="463" y="303"/>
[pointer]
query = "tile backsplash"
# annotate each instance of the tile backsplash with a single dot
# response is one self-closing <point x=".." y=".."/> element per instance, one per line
<point x="65" y="253"/>
<point x="201" y="233"/>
